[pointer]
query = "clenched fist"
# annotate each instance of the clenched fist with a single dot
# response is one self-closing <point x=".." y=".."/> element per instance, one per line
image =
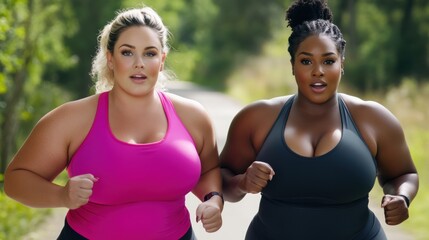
<point x="395" y="209"/>
<point x="256" y="177"/>
<point x="78" y="190"/>
<point x="210" y="215"/>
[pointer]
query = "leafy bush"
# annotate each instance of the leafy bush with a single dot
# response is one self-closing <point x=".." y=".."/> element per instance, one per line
<point x="16" y="219"/>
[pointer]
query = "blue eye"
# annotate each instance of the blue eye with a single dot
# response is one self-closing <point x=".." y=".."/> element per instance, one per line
<point x="150" y="54"/>
<point x="126" y="53"/>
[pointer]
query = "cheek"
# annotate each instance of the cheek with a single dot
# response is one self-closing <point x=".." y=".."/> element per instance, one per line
<point x="153" y="66"/>
<point x="122" y="65"/>
<point x="301" y="75"/>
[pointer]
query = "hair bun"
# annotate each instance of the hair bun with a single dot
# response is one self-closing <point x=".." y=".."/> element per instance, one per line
<point x="307" y="10"/>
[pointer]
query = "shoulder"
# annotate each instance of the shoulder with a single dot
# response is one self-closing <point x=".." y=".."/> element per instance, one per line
<point x="188" y="109"/>
<point x="376" y="123"/>
<point x="70" y="118"/>
<point x="369" y="110"/>
<point x="73" y="110"/>
<point x="183" y="103"/>
<point x="262" y="110"/>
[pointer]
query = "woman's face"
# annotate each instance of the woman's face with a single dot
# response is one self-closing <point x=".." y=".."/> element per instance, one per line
<point x="136" y="60"/>
<point x="317" y="68"/>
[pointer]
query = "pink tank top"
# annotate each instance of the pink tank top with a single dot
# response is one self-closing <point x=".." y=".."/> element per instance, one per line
<point x="141" y="189"/>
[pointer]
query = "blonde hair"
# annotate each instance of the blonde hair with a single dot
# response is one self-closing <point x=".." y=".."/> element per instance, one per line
<point x="146" y="16"/>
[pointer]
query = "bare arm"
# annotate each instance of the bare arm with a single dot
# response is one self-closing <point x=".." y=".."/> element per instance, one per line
<point x="241" y="172"/>
<point x="44" y="154"/>
<point x="397" y="174"/>
<point x="200" y="127"/>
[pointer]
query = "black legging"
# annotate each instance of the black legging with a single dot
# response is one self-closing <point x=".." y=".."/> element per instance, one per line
<point x="67" y="233"/>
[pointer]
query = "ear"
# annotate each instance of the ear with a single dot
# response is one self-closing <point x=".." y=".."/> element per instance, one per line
<point x="109" y="60"/>
<point x="164" y="56"/>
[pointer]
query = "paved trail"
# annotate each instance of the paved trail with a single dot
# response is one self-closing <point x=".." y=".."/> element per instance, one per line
<point x="236" y="216"/>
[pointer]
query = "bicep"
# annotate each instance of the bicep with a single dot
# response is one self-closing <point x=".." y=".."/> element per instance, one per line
<point x="238" y="152"/>
<point x="393" y="155"/>
<point x="44" y="152"/>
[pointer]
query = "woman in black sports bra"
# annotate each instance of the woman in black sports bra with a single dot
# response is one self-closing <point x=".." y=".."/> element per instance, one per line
<point x="314" y="156"/>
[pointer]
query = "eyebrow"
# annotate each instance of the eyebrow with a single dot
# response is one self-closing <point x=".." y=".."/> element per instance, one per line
<point x="133" y="47"/>
<point x="323" y="55"/>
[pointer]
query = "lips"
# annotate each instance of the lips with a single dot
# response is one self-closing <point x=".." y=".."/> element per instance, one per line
<point x="318" y="87"/>
<point x="138" y="76"/>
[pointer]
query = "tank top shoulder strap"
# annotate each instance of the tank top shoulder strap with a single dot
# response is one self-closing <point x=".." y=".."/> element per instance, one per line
<point x="284" y="114"/>
<point x="101" y="119"/>
<point x="166" y="104"/>
<point x="346" y="117"/>
<point x="175" y="125"/>
<point x="278" y="126"/>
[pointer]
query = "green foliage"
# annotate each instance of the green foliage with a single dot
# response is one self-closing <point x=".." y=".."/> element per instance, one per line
<point x="32" y="38"/>
<point x="265" y="76"/>
<point x="386" y="41"/>
<point x="16" y="219"/>
<point x="86" y="20"/>
<point x="38" y="104"/>
<point x="237" y="32"/>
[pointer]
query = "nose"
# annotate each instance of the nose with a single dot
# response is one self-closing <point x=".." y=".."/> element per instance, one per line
<point x="318" y="70"/>
<point x="138" y="63"/>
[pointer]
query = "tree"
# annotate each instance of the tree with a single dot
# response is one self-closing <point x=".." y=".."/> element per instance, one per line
<point x="31" y="33"/>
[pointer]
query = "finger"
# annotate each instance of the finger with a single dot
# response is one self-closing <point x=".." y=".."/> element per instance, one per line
<point x="85" y="194"/>
<point x="212" y="224"/>
<point x="199" y="212"/>
<point x="260" y="183"/>
<point x="88" y="176"/>
<point x="386" y="200"/>
<point x="264" y="167"/>
<point x="212" y="227"/>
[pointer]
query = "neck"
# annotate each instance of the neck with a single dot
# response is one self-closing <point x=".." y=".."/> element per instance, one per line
<point x="308" y="108"/>
<point x="124" y="101"/>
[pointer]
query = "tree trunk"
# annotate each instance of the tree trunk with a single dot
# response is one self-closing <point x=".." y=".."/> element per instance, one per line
<point x="14" y="97"/>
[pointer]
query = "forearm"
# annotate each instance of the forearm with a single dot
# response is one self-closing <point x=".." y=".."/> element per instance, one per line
<point x="406" y="184"/>
<point x="32" y="190"/>
<point x="210" y="181"/>
<point x="231" y="186"/>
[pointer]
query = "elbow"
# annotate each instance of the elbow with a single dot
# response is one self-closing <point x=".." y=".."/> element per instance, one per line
<point x="8" y="189"/>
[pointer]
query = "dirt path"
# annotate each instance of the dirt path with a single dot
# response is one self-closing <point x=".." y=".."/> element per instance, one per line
<point x="236" y="216"/>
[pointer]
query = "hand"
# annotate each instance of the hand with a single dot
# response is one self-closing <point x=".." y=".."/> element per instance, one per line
<point x="395" y="209"/>
<point x="78" y="190"/>
<point x="210" y="215"/>
<point x="256" y="177"/>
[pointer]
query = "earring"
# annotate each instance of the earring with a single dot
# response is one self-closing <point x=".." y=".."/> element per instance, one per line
<point x="342" y="71"/>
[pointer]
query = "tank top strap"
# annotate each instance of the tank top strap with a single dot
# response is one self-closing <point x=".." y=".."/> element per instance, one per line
<point x="167" y="105"/>
<point x="346" y="117"/>
<point x="284" y="114"/>
<point x="101" y="119"/>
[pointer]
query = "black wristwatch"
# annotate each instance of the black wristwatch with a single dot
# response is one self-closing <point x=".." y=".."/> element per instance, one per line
<point x="211" y="194"/>
<point x="407" y="200"/>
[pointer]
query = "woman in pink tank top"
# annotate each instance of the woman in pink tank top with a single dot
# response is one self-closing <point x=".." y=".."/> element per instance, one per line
<point x="132" y="152"/>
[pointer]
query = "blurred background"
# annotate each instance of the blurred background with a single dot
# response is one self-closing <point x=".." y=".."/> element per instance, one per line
<point x="236" y="47"/>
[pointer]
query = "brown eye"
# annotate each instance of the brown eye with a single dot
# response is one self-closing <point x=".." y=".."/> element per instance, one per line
<point x="306" y="62"/>
<point x="329" y="62"/>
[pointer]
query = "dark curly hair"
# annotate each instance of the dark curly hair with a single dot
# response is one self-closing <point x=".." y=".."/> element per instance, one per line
<point x="312" y="17"/>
